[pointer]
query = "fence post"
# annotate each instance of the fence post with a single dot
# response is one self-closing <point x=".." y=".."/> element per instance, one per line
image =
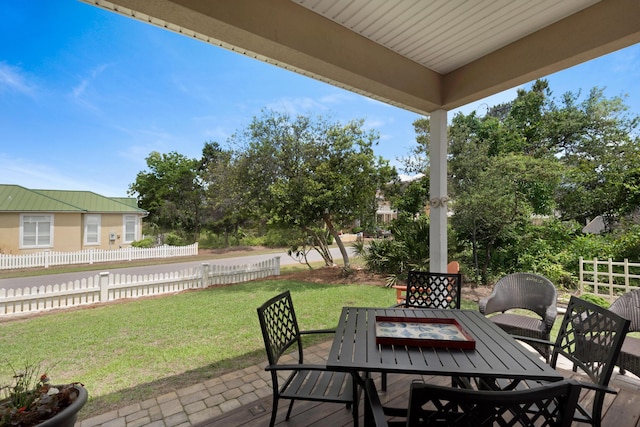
<point x="205" y="275"/>
<point x="581" y="275"/>
<point x="277" y="267"/>
<point x="610" y="270"/>
<point x="104" y="287"/>
<point x="626" y="275"/>
<point x="595" y="276"/>
<point x="46" y="258"/>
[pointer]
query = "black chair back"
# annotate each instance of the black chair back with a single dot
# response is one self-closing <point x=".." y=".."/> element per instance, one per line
<point x="550" y="405"/>
<point x="433" y="290"/>
<point x="279" y="327"/>
<point x="590" y="336"/>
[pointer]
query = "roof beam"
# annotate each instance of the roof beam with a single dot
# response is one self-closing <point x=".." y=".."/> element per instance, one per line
<point x="595" y="31"/>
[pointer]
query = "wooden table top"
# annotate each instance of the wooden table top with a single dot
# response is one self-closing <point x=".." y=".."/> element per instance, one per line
<point x="496" y="353"/>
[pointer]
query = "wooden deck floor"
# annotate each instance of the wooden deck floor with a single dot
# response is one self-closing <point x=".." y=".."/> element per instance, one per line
<point x="621" y="410"/>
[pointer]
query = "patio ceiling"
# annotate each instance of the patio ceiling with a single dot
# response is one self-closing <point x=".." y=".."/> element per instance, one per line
<point x="420" y="55"/>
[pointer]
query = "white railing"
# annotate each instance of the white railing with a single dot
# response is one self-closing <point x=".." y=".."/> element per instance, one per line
<point x="104" y="287"/>
<point x="608" y="279"/>
<point x="46" y="259"/>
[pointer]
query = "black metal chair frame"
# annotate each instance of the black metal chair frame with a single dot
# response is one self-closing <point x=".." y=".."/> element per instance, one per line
<point x="553" y="403"/>
<point x="628" y="306"/>
<point x="527" y="291"/>
<point x="590" y="337"/>
<point x="432" y="290"/>
<point x="305" y="381"/>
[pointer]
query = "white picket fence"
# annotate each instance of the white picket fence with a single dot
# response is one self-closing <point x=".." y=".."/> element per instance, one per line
<point x="105" y="287"/>
<point x="46" y="259"/>
<point x="608" y="279"/>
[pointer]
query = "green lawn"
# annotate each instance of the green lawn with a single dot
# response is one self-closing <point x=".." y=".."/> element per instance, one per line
<point x="136" y="349"/>
<point x="130" y="351"/>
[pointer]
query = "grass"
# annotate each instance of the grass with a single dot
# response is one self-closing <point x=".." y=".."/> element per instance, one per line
<point x="137" y="349"/>
<point x="133" y="350"/>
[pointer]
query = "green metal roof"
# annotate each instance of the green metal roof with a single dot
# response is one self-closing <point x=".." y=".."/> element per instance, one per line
<point x="131" y="201"/>
<point x="15" y="198"/>
<point x="90" y="202"/>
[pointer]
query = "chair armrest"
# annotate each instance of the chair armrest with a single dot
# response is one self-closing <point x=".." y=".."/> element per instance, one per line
<point x="550" y="316"/>
<point x="296" y="367"/>
<point x="318" y="331"/>
<point x="493" y="303"/>
<point x="482" y="304"/>
<point x="530" y="340"/>
<point x="597" y="387"/>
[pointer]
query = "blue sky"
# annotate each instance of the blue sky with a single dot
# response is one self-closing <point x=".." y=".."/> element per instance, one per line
<point x="86" y="95"/>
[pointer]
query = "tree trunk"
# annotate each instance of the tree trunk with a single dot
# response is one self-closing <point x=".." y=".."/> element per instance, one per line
<point x="336" y="236"/>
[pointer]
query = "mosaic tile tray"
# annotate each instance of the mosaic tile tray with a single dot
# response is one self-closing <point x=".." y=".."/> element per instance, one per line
<point x="422" y="332"/>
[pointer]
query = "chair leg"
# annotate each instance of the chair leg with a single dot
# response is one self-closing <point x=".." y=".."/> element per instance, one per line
<point x="274" y="411"/>
<point x="290" y="408"/>
<point x="383" y="385"/>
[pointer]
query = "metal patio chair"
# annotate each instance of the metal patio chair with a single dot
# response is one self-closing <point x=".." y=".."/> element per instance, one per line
<point x="432" y="290"/>
<point x="525" y="291"/>
<point x="430" y="405"/>
<point x="628" y="306"/>
<point x="453" y="268"/>
<point x="303" y="381"/>
<point x="590" y="337"/>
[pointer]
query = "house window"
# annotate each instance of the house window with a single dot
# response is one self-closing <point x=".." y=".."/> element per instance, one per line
<point x="92" y="229"/>
<point x="130" y="228"/>
<point x="36" y="231"/>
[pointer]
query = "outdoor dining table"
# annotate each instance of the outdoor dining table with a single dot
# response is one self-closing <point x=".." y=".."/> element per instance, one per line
<point x="496" y="354"/>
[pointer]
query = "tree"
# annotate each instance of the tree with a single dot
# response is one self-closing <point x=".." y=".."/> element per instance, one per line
<point x="311" y="174"/>
<point x="225" y="207"/>
<point x="596" y="142"/>
<point x="500" y="203"/>
<point x="537" y="155"/>
<point x="171" y="191"/>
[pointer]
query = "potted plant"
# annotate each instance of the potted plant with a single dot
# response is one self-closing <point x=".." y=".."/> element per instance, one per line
<point x="32" y="401"/>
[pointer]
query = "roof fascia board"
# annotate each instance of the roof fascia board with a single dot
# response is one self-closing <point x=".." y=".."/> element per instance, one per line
<point x="600" y="29"/>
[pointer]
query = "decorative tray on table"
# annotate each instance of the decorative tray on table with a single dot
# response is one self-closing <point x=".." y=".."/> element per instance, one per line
<point x="422" y="332"/>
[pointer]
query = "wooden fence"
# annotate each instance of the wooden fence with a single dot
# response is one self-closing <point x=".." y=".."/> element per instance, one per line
<point x="608" y="279"/>
<point x="46" y="259"/>
<point x="105" y="287"/>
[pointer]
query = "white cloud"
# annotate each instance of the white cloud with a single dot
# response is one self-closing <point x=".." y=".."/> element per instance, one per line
<point x="12" y="79"/>
<point x="297" y="106"/>
<point x="79" y="91"/>
<point x="336" y="98"/>
<point x="482" y="106"/>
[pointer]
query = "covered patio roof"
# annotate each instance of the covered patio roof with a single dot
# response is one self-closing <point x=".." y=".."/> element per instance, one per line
<point x="420" y="55"/>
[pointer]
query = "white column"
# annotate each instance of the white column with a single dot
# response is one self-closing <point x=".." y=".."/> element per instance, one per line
<point x="438" y="192"/>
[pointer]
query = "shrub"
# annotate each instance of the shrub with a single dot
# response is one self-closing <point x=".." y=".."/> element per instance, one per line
<point x="596" y="300"/>
<point x="627" y="244"/>
<point x="147" y="242"/>
<point x="173" y="239"/>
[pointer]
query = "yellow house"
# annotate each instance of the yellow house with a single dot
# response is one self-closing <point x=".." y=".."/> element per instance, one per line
<point x="65" y="221"/>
